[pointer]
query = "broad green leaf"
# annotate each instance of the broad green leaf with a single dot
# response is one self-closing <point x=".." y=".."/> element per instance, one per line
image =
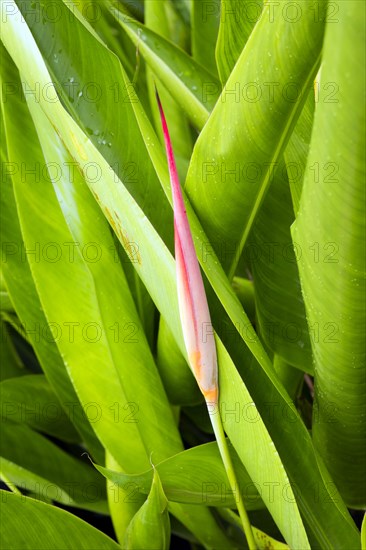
<point x="98" y="360"/>
<point x="187" y="81"/>
<point x="279" y="303"/>
<point x="125" y="499"/>
<point x="363" y="533"/>
<point x="33" y="525"/>
<point x="24" y="295"/>
<point x="30" y="399"/>
<point x="287" y="429"/>
<point x="195" y="476"/>
<point x="237" y="20"/>
<point x="150" y="527"/>
<point x="100" y="97"/>
<point x="103" y="22"/>
<point x="236" y="153"/>
<point x="157" y="259"/>
<point x="107" y="405"/>
<point x="205" y="27"/>
<point x="297" y="149"/>
<point x="330" y="229"/>
<point x="96" y="92"/>
<point x="33" y="463"/>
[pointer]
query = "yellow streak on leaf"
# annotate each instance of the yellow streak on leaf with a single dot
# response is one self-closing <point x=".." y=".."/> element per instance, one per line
<point x="78" y="146"/>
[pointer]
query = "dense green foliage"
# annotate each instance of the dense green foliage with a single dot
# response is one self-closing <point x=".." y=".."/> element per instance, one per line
<point x="100" y="411"/>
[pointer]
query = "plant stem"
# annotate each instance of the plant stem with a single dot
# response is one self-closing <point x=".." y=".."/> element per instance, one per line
<point x="226" y="458"/>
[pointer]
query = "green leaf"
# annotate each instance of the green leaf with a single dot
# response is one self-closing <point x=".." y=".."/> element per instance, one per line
<point x="186" y="80"/>
<point x="330" y="229"/>
<point x="123" y="501"/>
<point x="195" y="476"/>
<point x="237" y="21"/>
<point x="205" y="27"/>
<point x="33" y="525"/>
<point x="30" y="399"/>
<point x="93" y="363"/>
<point x="35" y="464"/>
<point x="96" y="90"/>
<point x="297" y="150"/>
<point x="103" y="23"/>
<point x="236" y="153"/>
<point x="98" y="358"/>
<point x="279" y="303"/>
<point x="104" y="110"/>
<point x="291" y="378"/>
<point x="24" y="295"/>
<point x="150" y="527"/>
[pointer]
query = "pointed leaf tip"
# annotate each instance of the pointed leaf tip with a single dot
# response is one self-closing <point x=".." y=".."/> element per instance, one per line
<point x="193" y="308"/>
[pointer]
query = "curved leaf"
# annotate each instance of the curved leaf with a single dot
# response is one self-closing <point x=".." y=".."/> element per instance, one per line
<point x="123" y="501"/>
<point x="238" y="18"/>
<point x="187" y="81"/>
<point x="34" y="525"/>
<point x="205" y="26"/>
<point x="35" y="464"/>
<point x="21" y="286"/>
<point x="297" y="150"/>
<point x="150" y="527"/>
<point x="98" y="359"/>
<point x="195" y="476"/>
<point x="95" y="90"/>
<point x="330" y="229"/>
<point x="236" y="153"/>
<point x="279" y="303"/>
